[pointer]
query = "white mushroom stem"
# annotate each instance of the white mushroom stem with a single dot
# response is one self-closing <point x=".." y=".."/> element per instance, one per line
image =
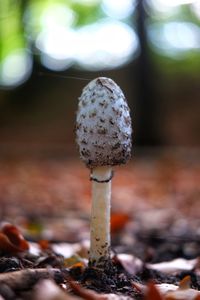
<point x="100" y="215"/>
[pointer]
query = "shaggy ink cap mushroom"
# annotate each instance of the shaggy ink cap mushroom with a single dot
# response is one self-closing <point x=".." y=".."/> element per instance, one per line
<point x="103" y="134"/>
<point x="103" y="124"/>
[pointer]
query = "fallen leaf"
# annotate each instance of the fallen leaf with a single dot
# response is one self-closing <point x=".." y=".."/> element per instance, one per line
<point x="184" y="291"/>
<point x="92" y="295"/>
<point x="48" y="290"/>
<point x="139" y="287"/>
<point x="130" y="263"/>
<point x="118" y="221"/>
<point x="164" y="288"/>
<point x="73" y="260"/>
<point x="152" y="293"/>
<point x="188" y="294"/>
<point x="11" y="240"/>
<point x="167" y="292"/>
<point x="66" y="249"/>
<point x="85" y="293"/>
<point x="181" y="292"/>
<point x="34" y="248"/>
<point x="44" y="244"/>
<point x="173" y="266"/>
<point x="5" y="245"/>
<point x="79" y="265"/>
<point x="25" y="279"/>
<point x="185" y="283"/>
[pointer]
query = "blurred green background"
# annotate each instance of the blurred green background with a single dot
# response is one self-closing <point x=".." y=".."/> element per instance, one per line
<point x="49" y="48"/>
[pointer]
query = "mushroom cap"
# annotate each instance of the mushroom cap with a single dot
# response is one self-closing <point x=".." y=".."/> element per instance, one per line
<point x="103" y="124"/>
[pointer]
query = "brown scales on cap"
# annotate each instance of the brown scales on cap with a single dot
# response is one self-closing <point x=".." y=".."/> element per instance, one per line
<point x="104" y="124"/>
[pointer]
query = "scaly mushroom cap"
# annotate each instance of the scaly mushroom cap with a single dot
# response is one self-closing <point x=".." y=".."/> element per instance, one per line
<point x="103" y="124"/>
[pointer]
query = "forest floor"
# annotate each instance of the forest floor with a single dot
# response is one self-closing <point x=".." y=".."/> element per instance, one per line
<point x="155" y="226"/>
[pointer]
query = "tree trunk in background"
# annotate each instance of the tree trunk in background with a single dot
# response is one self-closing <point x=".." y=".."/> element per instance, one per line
<point x="147" y="131"/>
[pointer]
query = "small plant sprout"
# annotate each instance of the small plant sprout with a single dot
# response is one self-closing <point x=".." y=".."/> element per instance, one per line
<point x="103" y="135"/>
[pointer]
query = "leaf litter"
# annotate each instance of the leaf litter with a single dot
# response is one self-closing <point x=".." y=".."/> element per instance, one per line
<point x="44" y="236"/>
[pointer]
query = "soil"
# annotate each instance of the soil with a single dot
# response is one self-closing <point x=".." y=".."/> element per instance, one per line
<point x="41" y="199"/>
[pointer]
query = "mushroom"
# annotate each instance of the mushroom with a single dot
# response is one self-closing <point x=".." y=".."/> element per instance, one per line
<point x="103" y="135"/>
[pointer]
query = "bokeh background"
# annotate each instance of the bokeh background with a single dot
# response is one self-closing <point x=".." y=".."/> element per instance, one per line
<point x="49" y="48"/>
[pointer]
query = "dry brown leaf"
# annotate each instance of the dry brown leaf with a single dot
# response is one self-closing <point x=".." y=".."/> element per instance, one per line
<point x="118" y="221"/>
<point x="44" y="244"/>
<point x="152" y="293"/>
<point x="11" y="240"/>
<point x="185" y="283"/>
<point x="78" y="266"/>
